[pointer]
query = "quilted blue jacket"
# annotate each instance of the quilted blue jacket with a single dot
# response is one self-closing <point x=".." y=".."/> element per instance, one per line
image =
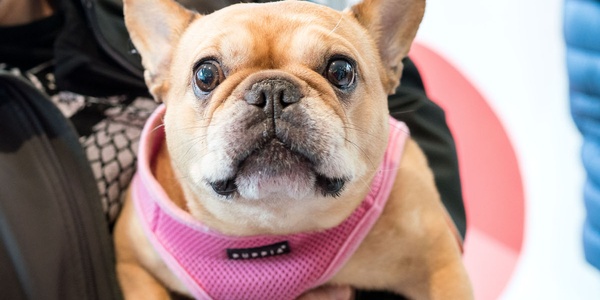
<point x="582" y="35"/>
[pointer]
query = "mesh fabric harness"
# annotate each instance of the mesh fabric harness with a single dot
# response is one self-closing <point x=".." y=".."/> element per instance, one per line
<point x="197" y="254"/>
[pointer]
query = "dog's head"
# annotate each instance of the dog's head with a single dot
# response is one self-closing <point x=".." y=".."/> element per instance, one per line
<point x="276" y="114"/>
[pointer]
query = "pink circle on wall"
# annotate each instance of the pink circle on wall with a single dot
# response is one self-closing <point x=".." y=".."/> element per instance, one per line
<point x="492" y="185"/>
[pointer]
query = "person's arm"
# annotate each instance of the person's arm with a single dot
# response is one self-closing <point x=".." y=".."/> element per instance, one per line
<point x="54" y="241"/>
<point x="427" y="124"/>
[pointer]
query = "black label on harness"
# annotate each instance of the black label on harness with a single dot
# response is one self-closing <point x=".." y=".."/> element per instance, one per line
<point x="259" y="252"/>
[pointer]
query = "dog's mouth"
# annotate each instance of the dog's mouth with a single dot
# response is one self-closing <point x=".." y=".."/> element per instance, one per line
<point x="276" y="167"/>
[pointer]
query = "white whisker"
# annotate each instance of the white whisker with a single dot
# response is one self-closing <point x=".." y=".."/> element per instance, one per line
<point x="336" y="25"/>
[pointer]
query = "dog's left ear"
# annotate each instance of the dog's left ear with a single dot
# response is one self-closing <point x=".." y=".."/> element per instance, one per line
<point x="393" y="25"/>
<point x="155" y="27"/>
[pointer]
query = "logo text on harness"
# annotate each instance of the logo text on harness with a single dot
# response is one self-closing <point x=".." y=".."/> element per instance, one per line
<point x="259" y="252"/>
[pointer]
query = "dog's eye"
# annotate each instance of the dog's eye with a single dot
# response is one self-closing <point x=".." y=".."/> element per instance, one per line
<point x="207" y="76"/>
<point x="340" y="73"/>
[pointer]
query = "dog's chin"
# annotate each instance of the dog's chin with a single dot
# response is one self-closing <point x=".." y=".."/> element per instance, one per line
<point x="275" y="172"/>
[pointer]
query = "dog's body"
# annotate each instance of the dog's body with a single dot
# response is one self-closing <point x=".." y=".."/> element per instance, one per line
<point x="276" y="123"/>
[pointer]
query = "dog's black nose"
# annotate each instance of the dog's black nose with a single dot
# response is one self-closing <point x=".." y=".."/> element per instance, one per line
<point x="273" y="95"/>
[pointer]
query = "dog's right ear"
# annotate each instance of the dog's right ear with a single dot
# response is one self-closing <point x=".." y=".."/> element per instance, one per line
<point x="155" y="26"/>
<point x="393" y="25"/>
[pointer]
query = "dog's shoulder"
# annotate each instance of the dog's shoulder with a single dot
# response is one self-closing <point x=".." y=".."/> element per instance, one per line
<point x="412" y="223"/>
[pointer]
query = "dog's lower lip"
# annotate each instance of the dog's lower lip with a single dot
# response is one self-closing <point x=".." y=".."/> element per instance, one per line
<point x="224" y="187"/>
<point x="276" y="148"/>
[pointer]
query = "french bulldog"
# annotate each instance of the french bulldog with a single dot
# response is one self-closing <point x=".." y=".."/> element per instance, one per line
<point x="272" y="166"/>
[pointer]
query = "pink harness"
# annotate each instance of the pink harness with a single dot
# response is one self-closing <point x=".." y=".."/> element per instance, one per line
<point x="216" y="266"/>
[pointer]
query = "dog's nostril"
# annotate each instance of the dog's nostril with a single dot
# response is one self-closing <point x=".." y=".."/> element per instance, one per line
<point x="287" y="97"/>
<point x="257" y="97"/>
<point x="262" y="99"/>
<point x="224" y="187"/>
<point x="330" y="186"/>
<point x="290" y="96"/>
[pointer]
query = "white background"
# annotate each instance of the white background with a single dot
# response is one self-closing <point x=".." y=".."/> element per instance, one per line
<point x="513" y="52"/>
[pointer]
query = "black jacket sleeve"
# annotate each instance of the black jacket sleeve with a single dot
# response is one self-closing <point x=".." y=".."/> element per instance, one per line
<point x="54" y="242"/>
<point x="428" y="127"/>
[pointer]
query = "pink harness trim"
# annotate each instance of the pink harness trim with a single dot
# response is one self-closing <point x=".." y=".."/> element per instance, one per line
<point x="197" y="254"/>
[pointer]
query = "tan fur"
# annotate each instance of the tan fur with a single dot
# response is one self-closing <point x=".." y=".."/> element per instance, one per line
<point x="411" y="249"/>
<point x="19" y="12"/>
<point x="416" y="253"/>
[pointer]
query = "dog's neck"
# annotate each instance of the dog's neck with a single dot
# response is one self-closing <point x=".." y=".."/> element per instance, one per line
<point x="243" y="222"/>
<point x="165" y="175"/>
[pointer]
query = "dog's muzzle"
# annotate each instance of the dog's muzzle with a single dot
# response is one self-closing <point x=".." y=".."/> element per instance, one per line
<point x="282" y="152"/>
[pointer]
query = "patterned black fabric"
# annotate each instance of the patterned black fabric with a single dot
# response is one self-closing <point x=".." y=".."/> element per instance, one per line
<point x="111" y="149"/>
